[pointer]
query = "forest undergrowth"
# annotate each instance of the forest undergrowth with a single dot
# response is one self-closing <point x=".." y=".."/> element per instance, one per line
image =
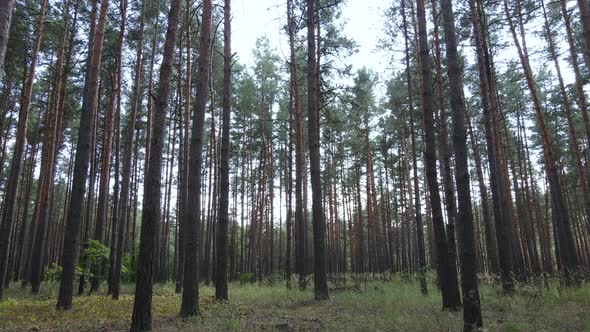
<point x="355" y="305"/>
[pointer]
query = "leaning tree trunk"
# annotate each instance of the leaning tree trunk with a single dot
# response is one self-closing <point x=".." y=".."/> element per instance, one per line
<point x="567" y="250"/>
<point x="585" y="18"/>
<point x="568" y="114"/>
<point x="582" y="104"/>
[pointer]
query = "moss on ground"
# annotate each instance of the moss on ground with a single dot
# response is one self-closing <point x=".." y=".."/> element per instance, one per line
<point x="358" y="306"/>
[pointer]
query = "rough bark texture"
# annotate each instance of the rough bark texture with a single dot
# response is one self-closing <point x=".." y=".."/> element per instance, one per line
<point x="313" y="125"/>
<point x="103" y="189"/>
<point x="190" y="294"/>
<point x="417" y="207"/>
<point x="183" y="185"/>
<point x="123" y="203"/>
<point x="471" y="307"/>
<point x="142" y="306"/>
<point x="490" y="239"/>
<point x="299" y="157"/>
<point x="19" y="146"/>
<point x="489" y="105"/>
<point x="553" y="51"/>
<point x="221" y="272"/>
<point x="448" y="284"/>
<point x="568" y="256"/>
<point x="74" y="220"/>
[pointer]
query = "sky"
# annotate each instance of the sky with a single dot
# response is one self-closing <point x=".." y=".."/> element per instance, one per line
<point x="256" y="18"/>
<point x="252" y="19"/>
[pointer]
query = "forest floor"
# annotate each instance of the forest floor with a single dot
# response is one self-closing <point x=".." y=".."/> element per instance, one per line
<point x="392" y="305"/>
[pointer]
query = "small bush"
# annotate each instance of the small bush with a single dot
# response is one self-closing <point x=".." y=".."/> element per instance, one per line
<point x="53" y="273"/>
<point x="245" y="278"/>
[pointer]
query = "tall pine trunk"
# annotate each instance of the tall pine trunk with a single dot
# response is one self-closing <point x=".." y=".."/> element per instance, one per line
<point x="471" y="307"/>
<point x="19" y="145"/>
<point x="313" y="125"/>
<point x="568" y="256"/>
<point x="221" y="271"/>
<point x="142" y="306"/>
<point x="449" y="287"/>
<point x="503" y="220"/>
<point x="74" y="220"/>
<point x="123" y="203"/>
<point x="190" y="294"/>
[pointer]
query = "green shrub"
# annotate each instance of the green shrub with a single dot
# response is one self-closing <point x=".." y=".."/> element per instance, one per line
<point x="52" y="273"/>
<point x="245" y="278"/>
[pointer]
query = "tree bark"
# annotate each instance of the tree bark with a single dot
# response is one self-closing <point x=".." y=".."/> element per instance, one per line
<point x="417" y="207"/>
<point x="472" y="320"/>
<point x="503" y="220"/>
<point x="568" y="114"/>
<point x="313" y="124"/>
<point x="123" y="203"/>
<point x="449" y="288"/>
<point x="5" y="19"/>
<point x="142" y="316"/>
<point x="19" y="145"/>
<point x="221" y="271"/>
<point x="582" y="104"/>
<point x="190" y="294"/>
<point x="568" y="255"/>
<point x="585" y="18"/>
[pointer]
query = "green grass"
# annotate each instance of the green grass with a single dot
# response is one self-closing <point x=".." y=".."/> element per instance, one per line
<point x="372" y="306"/>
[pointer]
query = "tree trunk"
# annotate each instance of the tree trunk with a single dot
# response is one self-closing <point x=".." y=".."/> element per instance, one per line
<point x="90" y="104"/>
<point x="19" y="145"/>
<point x="471" y="307"/>
<point x="503" y="220"/>
<point x="142" y="318"/>
<point x="5" y="18"/>
<point x="449" y="288"/>
<point x="190" y="294"/>
<point x="585" y="18"/>
<point x="417" y="207"/>
<point x="575" y="147"/>
<point x="443" y="148"/>
<point x="319" y="227"/>
<point x="221" y="271"/>
<point x="52" y="134"/>
<point x="490" y="239"/>
<point x="567" y="250"/>
<point x="127" y="158"/>
<point x="582" y="105"/>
